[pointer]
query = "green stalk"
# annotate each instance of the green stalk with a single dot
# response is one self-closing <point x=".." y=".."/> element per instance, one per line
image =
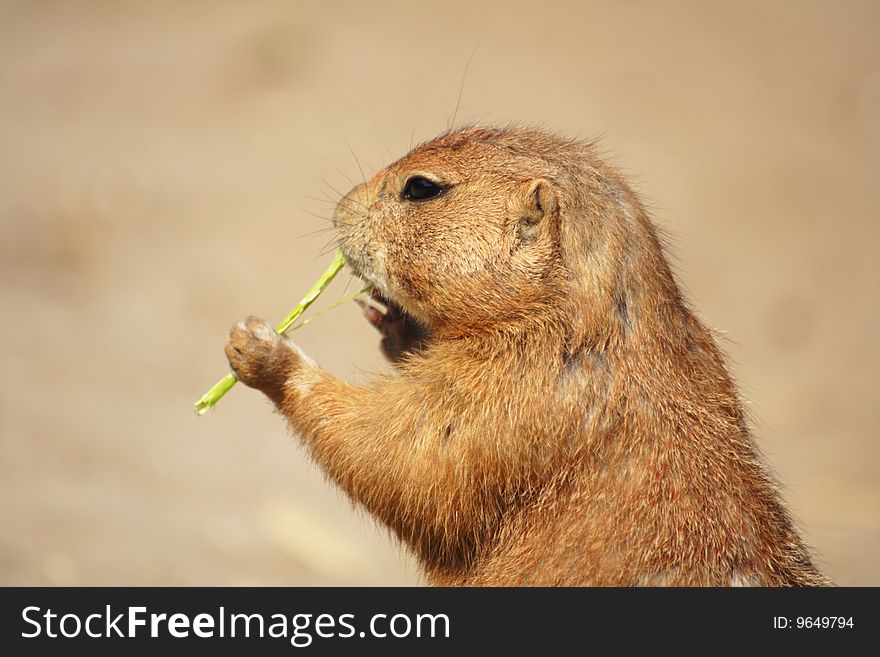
<point x="210" y="398"/>
<point x="332" y="306"/>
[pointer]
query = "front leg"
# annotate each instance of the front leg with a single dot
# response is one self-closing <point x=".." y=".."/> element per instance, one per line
<point x="396" y="446"/>
<point x="266" y="361"/>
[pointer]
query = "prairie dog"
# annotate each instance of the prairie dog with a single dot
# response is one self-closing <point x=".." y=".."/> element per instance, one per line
<point x="558" y="416"/>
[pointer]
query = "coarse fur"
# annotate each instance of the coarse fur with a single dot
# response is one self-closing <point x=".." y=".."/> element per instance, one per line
<point x="558" y="415"/>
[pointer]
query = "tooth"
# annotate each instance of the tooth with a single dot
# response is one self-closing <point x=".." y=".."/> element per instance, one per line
<point x="372" y="303"/>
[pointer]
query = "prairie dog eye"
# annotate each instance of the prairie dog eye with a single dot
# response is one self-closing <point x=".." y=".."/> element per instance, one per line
<point x="419" y="188"/>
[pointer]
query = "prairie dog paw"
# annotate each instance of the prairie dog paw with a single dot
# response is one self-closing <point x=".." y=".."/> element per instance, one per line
<point x="261" y="358"/>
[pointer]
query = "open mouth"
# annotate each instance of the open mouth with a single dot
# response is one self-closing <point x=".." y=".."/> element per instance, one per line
<point x="401" y="332"/>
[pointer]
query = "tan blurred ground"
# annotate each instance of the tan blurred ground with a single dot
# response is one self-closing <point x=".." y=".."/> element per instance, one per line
<point x="158" y="166"/>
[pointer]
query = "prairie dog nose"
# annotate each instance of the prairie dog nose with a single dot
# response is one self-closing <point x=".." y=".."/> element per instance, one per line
<point x="350" y="207"/>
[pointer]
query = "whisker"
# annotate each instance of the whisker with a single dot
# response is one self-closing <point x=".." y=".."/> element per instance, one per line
<point x="356" y="161"/>
<point x="315" y="215"/>
<point x="345" y="175"/>
<point x="461" y="87"/>
<point x="342" y="196"/>
<point x="314" y="233"/>
<point x="347" y="283"/>
<point x="324" y="201"/>
<point x="329" y="246"/>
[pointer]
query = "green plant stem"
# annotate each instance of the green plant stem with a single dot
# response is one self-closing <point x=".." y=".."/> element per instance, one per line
<point x="210" y="398"/>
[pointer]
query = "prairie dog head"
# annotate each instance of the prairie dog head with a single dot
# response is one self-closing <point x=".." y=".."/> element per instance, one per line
<point x="486" y="227"/>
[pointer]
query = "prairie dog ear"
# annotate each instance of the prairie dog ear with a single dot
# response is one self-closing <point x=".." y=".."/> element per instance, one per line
<point x="537" y="202"/>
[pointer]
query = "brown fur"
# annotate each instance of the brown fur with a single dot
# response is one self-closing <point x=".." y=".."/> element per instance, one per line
<point x="567" y="420"/>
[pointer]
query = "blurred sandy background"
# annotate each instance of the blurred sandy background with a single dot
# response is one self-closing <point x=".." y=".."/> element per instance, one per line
<point x="161" y="164"/>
